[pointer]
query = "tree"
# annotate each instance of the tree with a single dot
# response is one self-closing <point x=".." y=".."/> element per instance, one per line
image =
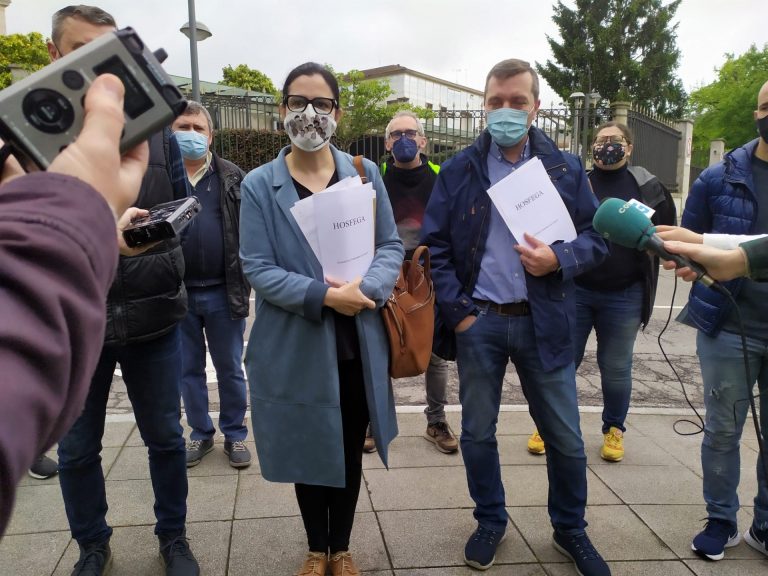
<point x="365" y="108"/>
<point x="625" y="49"/>
<point x="247" y="78"/>
<point x="723" y="109"/>
<point x="26" y="50"/>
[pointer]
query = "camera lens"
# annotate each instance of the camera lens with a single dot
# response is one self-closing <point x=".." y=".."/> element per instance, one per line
<point x="48" y="111"/>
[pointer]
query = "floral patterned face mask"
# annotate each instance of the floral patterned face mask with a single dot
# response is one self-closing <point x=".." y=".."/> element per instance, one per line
<point x="609" y="153"/>
<point x="309" y="130"/>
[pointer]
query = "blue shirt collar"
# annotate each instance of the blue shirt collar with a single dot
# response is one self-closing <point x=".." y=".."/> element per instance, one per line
<point x="496" y="152"/>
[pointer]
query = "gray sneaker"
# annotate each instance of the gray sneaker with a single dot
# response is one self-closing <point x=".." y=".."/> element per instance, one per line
<point x="239" y="455"/>
<point x="196" y="449"/>
<point x="43" y="468"/>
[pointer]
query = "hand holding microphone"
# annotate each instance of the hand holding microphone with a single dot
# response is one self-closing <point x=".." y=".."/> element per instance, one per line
<point x="623" y="224"/>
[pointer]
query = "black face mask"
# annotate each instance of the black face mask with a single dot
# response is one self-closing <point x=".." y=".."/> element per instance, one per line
<point x="762" y="127"/>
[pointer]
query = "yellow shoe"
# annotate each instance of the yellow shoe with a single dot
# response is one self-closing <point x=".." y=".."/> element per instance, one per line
<point x="613" y="445"/>
<point x="536" y="444"/>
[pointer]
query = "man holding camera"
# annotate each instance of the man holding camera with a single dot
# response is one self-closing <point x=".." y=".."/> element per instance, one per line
<point x="59" y="253"/>
<point x="144" y="306"/>
<point x="217" y="290"/>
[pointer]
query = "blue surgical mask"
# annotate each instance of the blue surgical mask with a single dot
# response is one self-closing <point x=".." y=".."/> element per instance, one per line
<point x="507" y="126"/>
<point x="193" y="145"/>
<point x="405" y="149"/>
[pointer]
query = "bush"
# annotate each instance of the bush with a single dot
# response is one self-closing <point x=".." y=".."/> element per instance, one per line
<point x="249" y="149"/>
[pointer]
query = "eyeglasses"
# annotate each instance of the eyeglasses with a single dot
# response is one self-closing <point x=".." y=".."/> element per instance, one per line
<point x="300" y="103"/>
<point x="609" y="140"/>
<point x="397" y="134"/>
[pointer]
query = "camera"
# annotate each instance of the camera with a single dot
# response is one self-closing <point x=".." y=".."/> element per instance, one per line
<point x="43" y="113"/>
<point x="163" y="222"/>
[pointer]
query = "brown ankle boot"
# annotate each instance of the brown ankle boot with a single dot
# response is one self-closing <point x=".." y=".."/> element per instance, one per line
<point x="315" y="564"/>
<point x="341" y="564"/>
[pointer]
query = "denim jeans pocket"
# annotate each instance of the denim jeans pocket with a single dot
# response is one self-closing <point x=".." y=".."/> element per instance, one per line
<point x="479" y="316"/>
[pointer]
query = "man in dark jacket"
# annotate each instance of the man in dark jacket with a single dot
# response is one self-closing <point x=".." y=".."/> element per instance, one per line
<point x="59" y="252"/>
<point x="505" y="298"/>
<point x="731" y="197"/>
<point x="144" y="306"/>
<point x="217" y="291"/>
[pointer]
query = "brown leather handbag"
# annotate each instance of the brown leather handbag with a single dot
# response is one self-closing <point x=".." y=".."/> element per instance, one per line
<point x="409" y="317"/>
<point x="409" y="314"/>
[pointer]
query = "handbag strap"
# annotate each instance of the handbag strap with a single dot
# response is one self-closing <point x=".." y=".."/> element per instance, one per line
<point x="358" y="162"/>
<point x="418" y="254"/>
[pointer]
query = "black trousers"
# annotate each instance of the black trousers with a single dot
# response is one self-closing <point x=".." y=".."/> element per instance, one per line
<point x="328" y="513"/>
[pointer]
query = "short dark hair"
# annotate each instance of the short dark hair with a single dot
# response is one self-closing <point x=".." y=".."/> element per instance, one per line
<point x="310" y="69"/>
<point x="614" y="124"/>
<point x="512" y="67"/>
<point x="91" y="14"/>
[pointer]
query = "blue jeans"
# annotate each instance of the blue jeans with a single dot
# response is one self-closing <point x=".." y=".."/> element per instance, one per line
<point x="482" y="355"/>
<point x="151" y="371"/>
<point x="209" y="312"/>
<point x="616" y="318"/>
<point x="725" y="398"/>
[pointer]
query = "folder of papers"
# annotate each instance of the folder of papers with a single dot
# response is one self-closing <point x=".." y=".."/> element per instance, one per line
<point x="529" y="202"/>
<point x="339" y="225"/>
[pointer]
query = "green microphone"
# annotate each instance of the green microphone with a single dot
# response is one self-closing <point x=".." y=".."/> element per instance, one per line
<point x="624" y="224"/>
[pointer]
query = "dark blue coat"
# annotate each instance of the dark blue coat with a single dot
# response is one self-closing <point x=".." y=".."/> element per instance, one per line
<point x="456" y="226"/>
<point x="722" y="200"/>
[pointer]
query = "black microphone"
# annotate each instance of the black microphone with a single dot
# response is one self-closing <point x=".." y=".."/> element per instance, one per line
<point x="624" y="224"/>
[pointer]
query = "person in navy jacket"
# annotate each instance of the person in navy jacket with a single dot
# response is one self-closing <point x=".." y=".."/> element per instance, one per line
<point x="501" y="298"/>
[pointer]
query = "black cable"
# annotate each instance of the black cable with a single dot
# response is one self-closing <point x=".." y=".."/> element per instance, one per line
<point x="748" y="377"/>
<point x="698" y="426"/>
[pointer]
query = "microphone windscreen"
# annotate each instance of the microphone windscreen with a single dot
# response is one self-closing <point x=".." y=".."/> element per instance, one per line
<point x="620" y="222"/>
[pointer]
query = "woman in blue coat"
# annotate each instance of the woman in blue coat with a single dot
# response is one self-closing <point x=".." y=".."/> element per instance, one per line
<point x="317" y="356"/>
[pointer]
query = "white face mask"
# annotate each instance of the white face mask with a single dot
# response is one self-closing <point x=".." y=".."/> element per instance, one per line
<point x="308" y="130"/>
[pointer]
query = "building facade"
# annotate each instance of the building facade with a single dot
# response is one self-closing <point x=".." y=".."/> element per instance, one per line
<point x="421" y="89"/>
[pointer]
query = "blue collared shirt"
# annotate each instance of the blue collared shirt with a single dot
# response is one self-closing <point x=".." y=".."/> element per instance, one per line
<point x="502" y="277"/>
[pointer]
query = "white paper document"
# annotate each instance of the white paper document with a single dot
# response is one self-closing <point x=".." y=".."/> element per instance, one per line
<point x="529" y="202"/>
<point x="339" y="225"/>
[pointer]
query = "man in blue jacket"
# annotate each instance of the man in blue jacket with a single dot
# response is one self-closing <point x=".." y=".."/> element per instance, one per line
<point x="501" y="298"/>
<point x="731" y="197"/>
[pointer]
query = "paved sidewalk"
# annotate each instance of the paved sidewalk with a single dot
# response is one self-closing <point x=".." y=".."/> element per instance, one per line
<point x="412" y="520"/>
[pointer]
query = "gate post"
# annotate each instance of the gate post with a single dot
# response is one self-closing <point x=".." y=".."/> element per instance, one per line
<point x="685" y="127"/>
<point x="716" y="150"/>
<point x="620" y="112"/>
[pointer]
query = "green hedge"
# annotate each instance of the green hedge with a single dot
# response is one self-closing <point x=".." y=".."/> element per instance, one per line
<point x="248" y="149"/>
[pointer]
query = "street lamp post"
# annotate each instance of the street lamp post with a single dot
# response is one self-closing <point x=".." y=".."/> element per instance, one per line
<point x="578" y="100"/>
<point x="195" y="31"/>
<point x="581" y="128"/>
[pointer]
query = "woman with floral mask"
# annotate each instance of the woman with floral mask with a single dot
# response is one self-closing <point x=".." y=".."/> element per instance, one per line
<point x="616" y="298"/>
<point x="317" y="356"/>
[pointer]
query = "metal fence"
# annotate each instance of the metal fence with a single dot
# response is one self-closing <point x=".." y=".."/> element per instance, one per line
<point x="450" y="131"/>
<point x="656" y="146"/>
<point x="241" y="112"/>
<point x="253" y="122"/>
